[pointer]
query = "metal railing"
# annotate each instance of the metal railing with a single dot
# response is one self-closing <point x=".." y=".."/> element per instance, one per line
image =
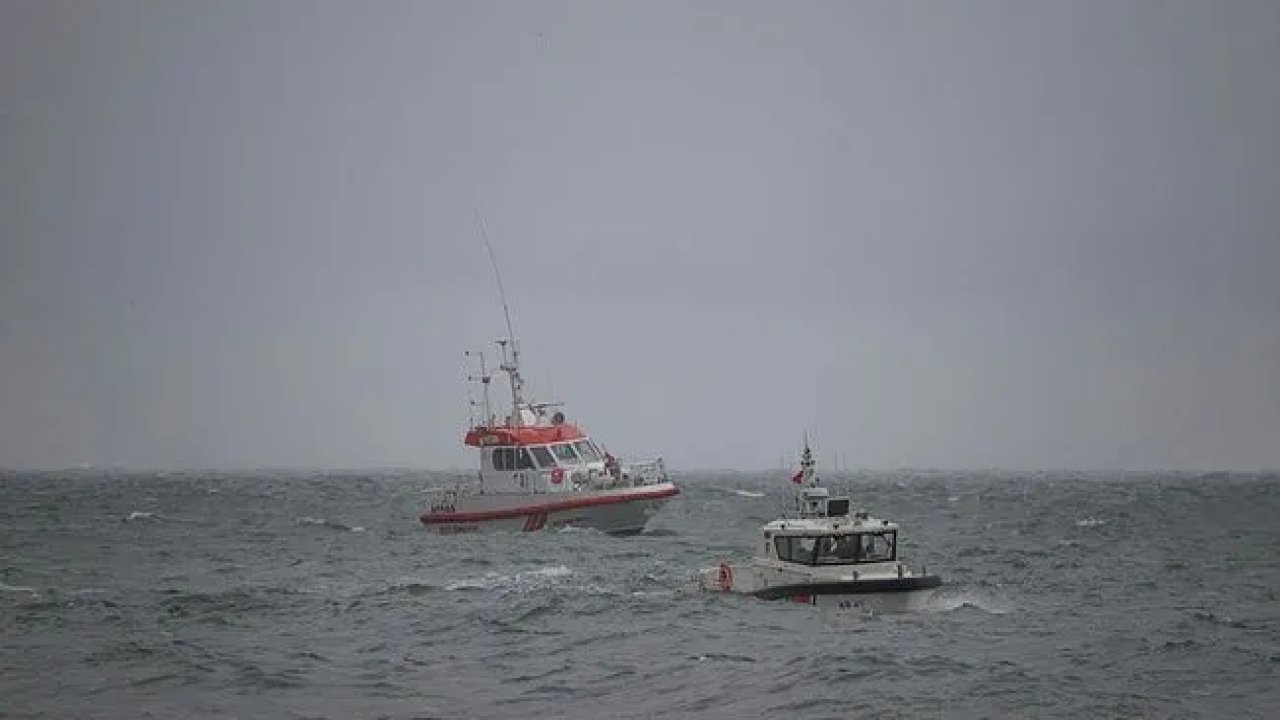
<point x="631" y="473"/>
<point x="644" y="472"/>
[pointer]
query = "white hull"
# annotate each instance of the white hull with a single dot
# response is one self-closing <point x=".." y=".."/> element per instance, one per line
<point x="619" y="511"/>
<point x="879" y="603"/>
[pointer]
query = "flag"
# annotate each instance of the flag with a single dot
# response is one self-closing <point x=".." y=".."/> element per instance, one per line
<point x="798" y="478"/>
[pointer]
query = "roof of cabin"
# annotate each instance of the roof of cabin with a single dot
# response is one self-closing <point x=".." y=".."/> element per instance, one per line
<point x="828" y="526"/>
<point x="522" y="435"/>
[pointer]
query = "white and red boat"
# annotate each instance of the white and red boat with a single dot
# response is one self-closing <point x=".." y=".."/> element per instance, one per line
<point x="541" y="472"/>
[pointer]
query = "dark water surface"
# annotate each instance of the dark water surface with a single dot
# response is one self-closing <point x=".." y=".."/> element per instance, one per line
<point x="320" y="596"/>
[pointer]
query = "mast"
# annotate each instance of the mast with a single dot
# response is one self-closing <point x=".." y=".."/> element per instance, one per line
<point x="508" y="345"/>
<point x="511" y="365"/>
<point x="806" y="463"/>
<point x="483" y="378"/>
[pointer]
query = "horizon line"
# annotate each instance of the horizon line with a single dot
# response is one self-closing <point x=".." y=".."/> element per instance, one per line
<point x="681" y="471"/>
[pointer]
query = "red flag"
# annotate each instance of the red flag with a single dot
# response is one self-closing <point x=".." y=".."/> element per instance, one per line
<point x="798" y="477"/>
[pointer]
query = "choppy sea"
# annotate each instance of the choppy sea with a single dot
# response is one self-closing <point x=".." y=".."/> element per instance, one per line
<point x="319" y="595"/>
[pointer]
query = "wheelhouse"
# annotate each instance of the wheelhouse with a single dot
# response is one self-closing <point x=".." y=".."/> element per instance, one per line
<point x="851" y="548"/>
<point x="566" y="455"/>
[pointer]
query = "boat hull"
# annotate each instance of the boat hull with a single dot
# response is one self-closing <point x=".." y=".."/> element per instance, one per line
<point x="884" y="594"/>
<point x="622" y="511"/>
<point x="881" y="596"/>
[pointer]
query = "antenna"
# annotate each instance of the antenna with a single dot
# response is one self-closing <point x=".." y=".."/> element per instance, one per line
<point x="483" y="378"/>
<point x="493" y="260"/>
<point x="806" y="462"/>
<point x="510" y="362"/>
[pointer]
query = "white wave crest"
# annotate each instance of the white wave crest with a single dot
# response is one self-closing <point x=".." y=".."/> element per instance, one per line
<point x="17" y="589"/>
<point x="321" y="522"/>
<point x="522" y="578"/>
<point x="948" y="603"/>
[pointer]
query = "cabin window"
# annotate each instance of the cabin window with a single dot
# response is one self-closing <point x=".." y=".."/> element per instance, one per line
<point x="587" y="452"/>
<point x="509" y="458"/>
<point x="523" y="460"/>
<point x="504" y="458"/>
<point x="543" y="456"/>
<point x="879" y="547"/>
<point x="795" y="549"/>
<point x="838" y="549"/>
<point x="565" y="454"/>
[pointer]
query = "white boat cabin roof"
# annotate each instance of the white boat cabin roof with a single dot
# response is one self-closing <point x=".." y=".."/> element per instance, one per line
<point x="829" y="525"/>
<point x="822" y="514"/>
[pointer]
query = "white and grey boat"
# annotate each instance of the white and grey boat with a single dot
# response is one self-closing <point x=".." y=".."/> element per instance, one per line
<point x="827" y="555"/>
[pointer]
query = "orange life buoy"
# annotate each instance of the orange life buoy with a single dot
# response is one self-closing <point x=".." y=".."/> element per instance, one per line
<point x="724" y="577"/>
<point x="557" y="476"/>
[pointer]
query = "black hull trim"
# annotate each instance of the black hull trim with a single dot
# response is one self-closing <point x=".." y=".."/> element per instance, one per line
<point x="851" y="587"/>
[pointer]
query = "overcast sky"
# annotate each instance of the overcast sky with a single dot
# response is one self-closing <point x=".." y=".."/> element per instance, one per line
<point x="933" y="234"/>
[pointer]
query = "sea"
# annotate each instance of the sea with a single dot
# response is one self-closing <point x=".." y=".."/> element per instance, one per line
<point x="319" y="595"/>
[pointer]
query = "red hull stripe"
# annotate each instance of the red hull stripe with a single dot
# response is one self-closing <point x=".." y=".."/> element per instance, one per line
<point x="536" y="521"/>
<point x="571" y="504"/>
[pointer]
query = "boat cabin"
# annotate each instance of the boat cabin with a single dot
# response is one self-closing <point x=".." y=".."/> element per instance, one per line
<point x="817" y="502"/>
<point x="826" y="533"/>
<point x="569" y="455"/>
<point x="530" y="451"/>
<point x="539" y="458"/>
<point x="811" y="545"/>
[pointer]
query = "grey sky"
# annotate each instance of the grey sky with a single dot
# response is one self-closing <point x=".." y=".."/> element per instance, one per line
<point x="935" y="234"/>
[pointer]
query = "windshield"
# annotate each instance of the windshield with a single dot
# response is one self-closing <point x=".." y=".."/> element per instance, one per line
<point x="878" y="547"/>
<point x="586" y="451"/>
<point x="838" y="550"/>
<point x="845" y="549"/>
<point x="523" y="460"/>
<point x="796" y="549"/>
<point x="543" y="456"/>
<point x="565" y="454"/>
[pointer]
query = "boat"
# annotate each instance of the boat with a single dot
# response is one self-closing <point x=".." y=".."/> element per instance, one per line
<point x="824" y="554"/>
<point x="538" y="471"/>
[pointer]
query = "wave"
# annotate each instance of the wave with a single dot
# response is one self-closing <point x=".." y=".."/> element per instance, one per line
<point x="406" y="586"/>
<point x="963" y="599"/>
<point x="321" y="522"/>
<point x="17" y="589"/>
<point x="140" y="515"/>
<point x="746" y="493"/>
<point x="1090" y="522"/>
<point x="226" y="606"/>
<point x="522" y="578"/>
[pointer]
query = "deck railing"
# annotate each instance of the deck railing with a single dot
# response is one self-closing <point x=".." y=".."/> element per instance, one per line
<point x="631" y="473"/>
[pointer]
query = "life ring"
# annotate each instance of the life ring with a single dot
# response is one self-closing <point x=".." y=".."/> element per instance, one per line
<point x="724" y="577"/>
<point x="557" y="476"/>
